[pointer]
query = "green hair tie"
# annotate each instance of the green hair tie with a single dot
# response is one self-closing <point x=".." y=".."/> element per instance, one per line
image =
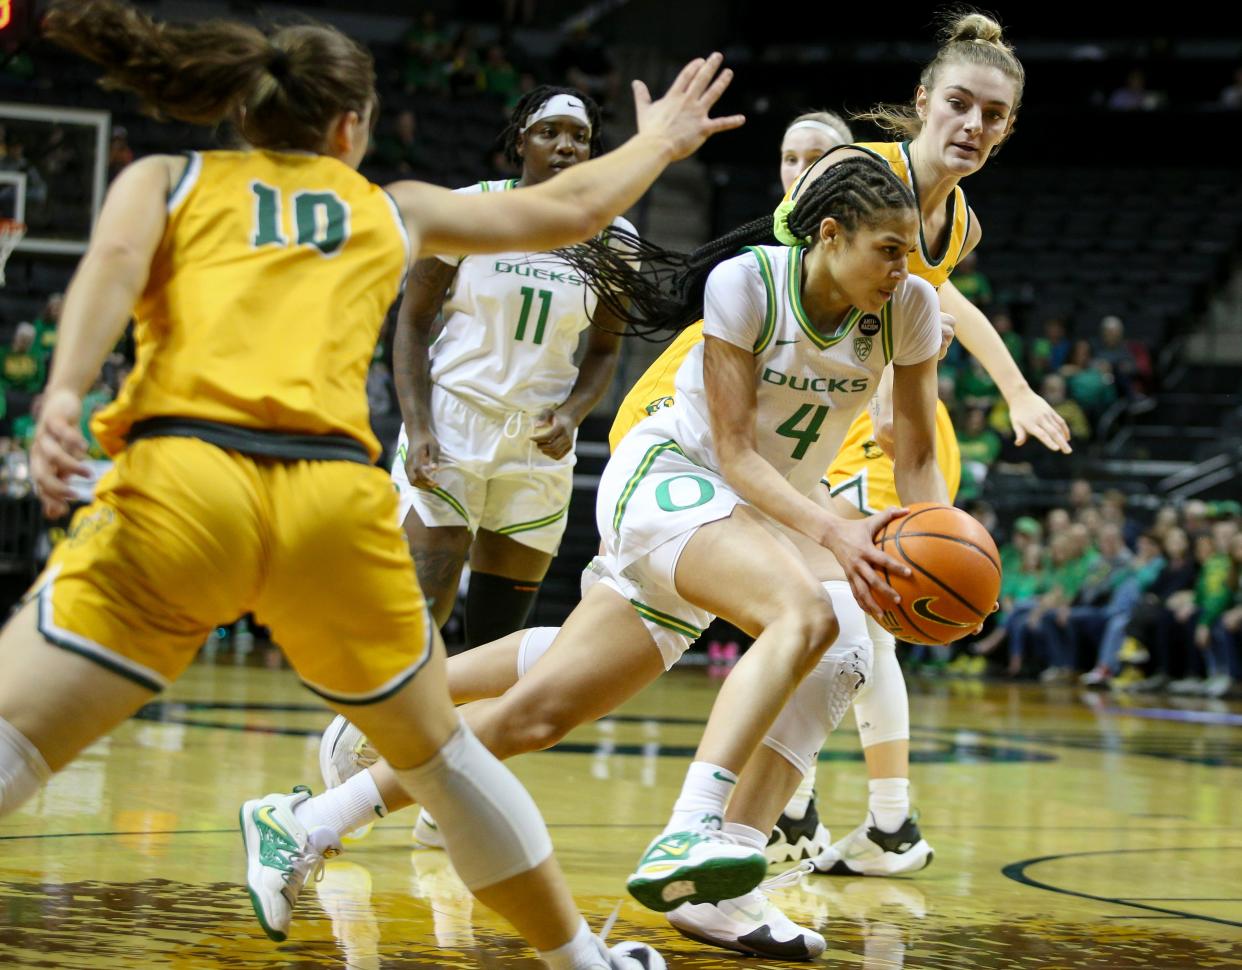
<point x="780" y="225"/>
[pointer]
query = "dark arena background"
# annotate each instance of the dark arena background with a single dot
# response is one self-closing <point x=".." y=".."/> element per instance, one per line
<point x="1076" y="764"/>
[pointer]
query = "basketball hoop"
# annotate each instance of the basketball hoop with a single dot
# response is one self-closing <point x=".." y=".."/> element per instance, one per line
<point x="11" y="233"/>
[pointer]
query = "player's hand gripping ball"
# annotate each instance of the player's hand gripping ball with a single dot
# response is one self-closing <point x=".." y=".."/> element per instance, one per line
<point x="956" y="574"/>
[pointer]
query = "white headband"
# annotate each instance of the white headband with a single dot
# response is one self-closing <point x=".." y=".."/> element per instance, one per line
<point x="562" y="105"/>
<point x="817" y="125"/>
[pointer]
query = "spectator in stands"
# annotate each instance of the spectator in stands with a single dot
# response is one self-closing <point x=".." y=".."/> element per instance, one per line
<point x="1177" y="650"/>
<point x="971" y="282"/>
<point x="462" y="71"/>
<point x="980" y="447"/>
<point x="1021" y="588"/>
<point x="1026" y="532"/>
<point x="1231" y="97"/>
<point x="22" y="372"/>
<point x="975" y="387"/>
<point x="1014" y="343"/>
<point x="500" y="77"/>
<point x="1113" y="507"/>
<point x="1119" y="356"/>
<point x="1226" y="647"/>
<point x="1107" y="572"/>
<point x="1063" y="576"/>
<point x="1107" y="624"/>
<point x="1134" y="95"/>
<point x="1173" y="586"/>
<point x="424" y="49"/>
<point x="1166" y="518"/>
<point x="45" y="325"/>
<point x="1050" y="352"/>
<point x="1081" y="496"/>
<point x="583" y="62"/>
<point x="1195" y="516"/>
<point x="1089" y="380"/>
<point x="1053" y="391"/>
<point x="401" y="151"/>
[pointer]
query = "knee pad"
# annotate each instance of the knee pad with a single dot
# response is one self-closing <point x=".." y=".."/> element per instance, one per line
<point x="492" y="829"/>
<point x="22" y="768"/>
<point x="882" y="708"/>
<point x="535" y="643"/>
<point x="820" y="701"/>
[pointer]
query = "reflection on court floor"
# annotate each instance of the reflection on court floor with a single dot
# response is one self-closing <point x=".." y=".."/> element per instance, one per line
<point x="1066" y="834"/>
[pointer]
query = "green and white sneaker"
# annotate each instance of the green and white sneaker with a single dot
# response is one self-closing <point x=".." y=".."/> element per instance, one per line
<point x="426" y="833"/>
<point x="343" y="752"/>
<point x="695" y="867"/>
<point x="281" y="856"/>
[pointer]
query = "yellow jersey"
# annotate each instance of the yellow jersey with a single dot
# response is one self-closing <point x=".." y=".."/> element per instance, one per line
<point x="934" y="269"/>
<point x="264" y="301"/>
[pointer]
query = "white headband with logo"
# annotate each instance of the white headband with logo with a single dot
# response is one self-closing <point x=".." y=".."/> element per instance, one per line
<point x="816" y="125"/>
<point x="561" y="105"/>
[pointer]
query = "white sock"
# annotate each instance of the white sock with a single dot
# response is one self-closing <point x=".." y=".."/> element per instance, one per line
<point x="349" y="806"/>
<point x="889" y="802"/>
<point x="796" y="809"/>
<point x="704" y="794"/>
<point x="580" y="953"/>
<point x="745" y="835"/>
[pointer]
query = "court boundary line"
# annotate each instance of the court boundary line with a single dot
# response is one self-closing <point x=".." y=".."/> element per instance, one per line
<point x="1017" y="872"/>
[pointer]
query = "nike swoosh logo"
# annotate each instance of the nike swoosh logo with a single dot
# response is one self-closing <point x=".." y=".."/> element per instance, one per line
<point x="719" y="777"/>
<point x="672" y="848"/>
<point x="922" y="607"/>
<point x="379" y="810"/>
<point x="782" y="343"/>
<point x="264" y="815"/>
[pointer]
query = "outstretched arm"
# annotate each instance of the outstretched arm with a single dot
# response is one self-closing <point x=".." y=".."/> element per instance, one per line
<point x="582" y="201"/>
<point x="1029" y="413"/>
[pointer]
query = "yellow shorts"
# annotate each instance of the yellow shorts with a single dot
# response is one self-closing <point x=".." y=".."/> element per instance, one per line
<point x="184" y="536"/>
<point x="863" y="475"/>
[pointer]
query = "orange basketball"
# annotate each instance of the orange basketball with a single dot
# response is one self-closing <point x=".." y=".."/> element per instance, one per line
<point x="956" y="574"/>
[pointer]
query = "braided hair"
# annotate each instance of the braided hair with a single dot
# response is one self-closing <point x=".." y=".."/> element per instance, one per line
<point x="666" y="293"/>
<point x="531" y="102"/>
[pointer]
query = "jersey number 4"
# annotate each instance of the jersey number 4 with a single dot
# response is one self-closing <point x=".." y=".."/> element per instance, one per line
<point x="545" y="305"/>
<point x="320" y="219"/>
<point x="814" y="415"/>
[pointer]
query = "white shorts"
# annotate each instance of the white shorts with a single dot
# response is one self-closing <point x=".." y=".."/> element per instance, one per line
<point x="491" y="476"/>
<point x="673" y="623"/>
<point x="651" y="500"/>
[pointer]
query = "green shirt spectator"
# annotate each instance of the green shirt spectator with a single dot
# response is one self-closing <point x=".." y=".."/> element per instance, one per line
<point x="22" y="368"/>
<point x="971" y="283"/>
<point x="980" y="446"/>
<point x="45" y="325"/>
<point x="1214" y="588"/>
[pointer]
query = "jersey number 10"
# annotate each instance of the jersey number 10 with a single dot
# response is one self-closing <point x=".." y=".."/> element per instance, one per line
<point x="320" y="219"/>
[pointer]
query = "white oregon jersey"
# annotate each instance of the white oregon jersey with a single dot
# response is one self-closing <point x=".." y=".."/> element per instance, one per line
<point x="512" y="323"/>
<point x="810" y="386"/>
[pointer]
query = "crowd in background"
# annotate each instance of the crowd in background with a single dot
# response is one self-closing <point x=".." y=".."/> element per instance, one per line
<point x="1092" y="595"/>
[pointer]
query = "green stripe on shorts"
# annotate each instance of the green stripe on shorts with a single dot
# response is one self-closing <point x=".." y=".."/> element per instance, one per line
<point x="666" y="620"/>
<point x="508" y="530"/>
<point x="644" y="466"/>
<point x="456" y="505"/>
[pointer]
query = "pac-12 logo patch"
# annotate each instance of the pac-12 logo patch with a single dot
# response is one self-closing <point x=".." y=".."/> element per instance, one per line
<point x="869" y="325"/>
<point x="862" y="347"/>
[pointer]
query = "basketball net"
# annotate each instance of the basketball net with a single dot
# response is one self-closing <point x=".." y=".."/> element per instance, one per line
<point x="11" y="233"/>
